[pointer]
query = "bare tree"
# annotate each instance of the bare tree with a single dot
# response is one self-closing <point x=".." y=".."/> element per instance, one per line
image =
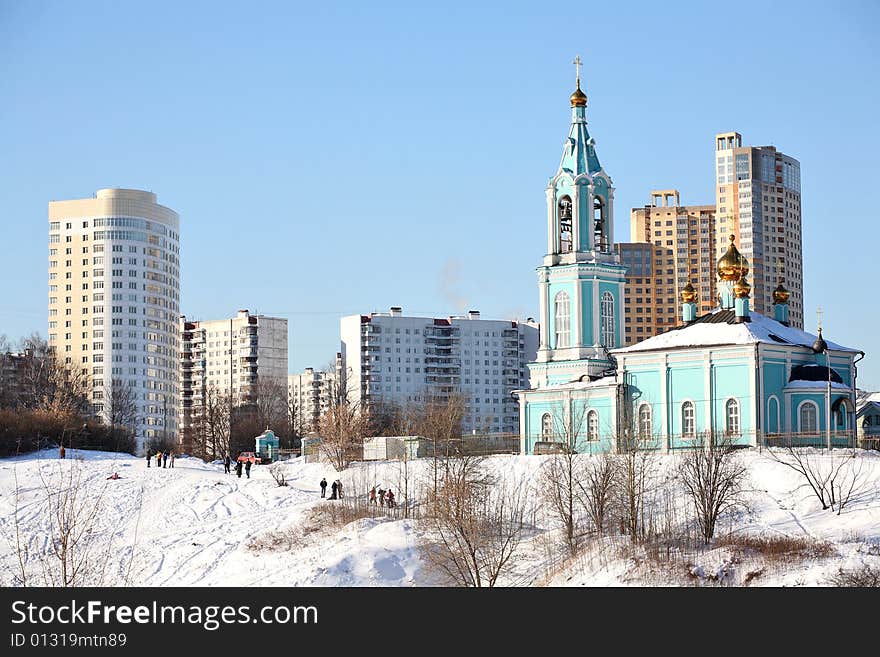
<point x="270" y="401"/>
<point x="634" y="474"/>
<point x="342" y="429"/>
<point x="277" y="472"/>
<point x="50" y="385"/>
<point x="835" y="477"/>
<point x="595" y="489"/>
<point x="713" y="478"/>
<point x="475" y="524"/>
<point x="120" y="408"/>
<point x="77" y="555"/>
<point x="215" y="422"/>
<point x="439" y="421"/>
<point x="561" y="472"/>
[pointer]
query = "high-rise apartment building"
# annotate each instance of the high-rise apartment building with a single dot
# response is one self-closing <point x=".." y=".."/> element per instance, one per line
<point x="758" y="195"/>
<point x="672" y="244"/>
<point x="114" y="290"/>
<point x="231" y="356"/>
<point x="392" y="358"/>
<point x="310" y="394"/>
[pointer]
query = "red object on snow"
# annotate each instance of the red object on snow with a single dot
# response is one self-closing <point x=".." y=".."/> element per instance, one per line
<point x="115" y="475"/>
<point x="249" y="456"/>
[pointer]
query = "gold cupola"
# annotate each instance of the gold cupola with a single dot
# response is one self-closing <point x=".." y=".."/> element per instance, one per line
<point x="780" y="294"/>
<point x="742" y="288"/>
<point x="688" y="294"/>
<point x="578" y="98"/>
<point x="732" y="266"/>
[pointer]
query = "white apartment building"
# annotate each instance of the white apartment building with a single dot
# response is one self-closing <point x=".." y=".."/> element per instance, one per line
<point x="114" y="290"/>
<point x="230" y="355"/>
<point x="758" y="199"/>
<point x="310" y="394"/>
<point x="391" y="358"/>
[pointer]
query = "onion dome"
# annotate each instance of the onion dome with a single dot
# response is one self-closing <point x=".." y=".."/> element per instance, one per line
<point x="732" y="266"/>
<point x="688" y="294"/>
<point x="742" y="288"/>
<point x="820" y="345"/>
<point x="780" y="294"/>
<point x="578" y="98"/>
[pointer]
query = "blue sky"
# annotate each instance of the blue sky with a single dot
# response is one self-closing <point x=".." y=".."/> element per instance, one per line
<point x="337" y="158"/>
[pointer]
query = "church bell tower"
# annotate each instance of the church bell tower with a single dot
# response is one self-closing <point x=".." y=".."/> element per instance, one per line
<point x="580" y="281"/>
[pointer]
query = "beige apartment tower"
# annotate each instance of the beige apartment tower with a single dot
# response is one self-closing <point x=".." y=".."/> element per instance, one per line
<point x="758" y="195"/>
<point x="114" y="290"/>
<point x="671" y="245"/>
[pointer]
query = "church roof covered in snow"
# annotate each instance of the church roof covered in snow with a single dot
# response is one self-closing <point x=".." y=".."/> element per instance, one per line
<point x="720" y="328"/>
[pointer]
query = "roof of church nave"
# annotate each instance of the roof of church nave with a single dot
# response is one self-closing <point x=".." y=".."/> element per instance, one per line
<point x="719" y="327"/>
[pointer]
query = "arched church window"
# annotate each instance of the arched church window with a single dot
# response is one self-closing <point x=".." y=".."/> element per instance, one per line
<point x="688" y="420"/>
<point x="565" y="220"/>
<point x="773" y="415"/>
<point x="645" y="422"/>
<point x="607" y="317"/>
<point x="592" y="425"/>
<point x="600" y="234"/>
<point x="808" y="417"/>
<point x="546" y="427"/>
<point x="562" y="315"/>
<point x="731" y="414"/>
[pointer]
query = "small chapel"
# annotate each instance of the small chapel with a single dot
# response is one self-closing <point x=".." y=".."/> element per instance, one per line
<point x="730" y="372"/>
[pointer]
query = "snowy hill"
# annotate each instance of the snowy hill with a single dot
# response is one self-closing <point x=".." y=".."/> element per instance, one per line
<point x="194" y="525"/>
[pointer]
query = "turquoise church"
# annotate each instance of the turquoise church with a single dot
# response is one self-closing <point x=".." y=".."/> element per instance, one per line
<point x="730" y="372"/>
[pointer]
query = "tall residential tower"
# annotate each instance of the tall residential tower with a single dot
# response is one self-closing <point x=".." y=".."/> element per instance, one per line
<point x="758" y="196"/>
<point x="114" y="290"/>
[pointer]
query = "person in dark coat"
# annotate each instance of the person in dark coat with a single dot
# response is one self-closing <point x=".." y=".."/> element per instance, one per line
<point x="149" y="456"/>
<point x="226" y="463"/>
<point x="164" y="459"/>
<point x="323" y="487"/>
<point x="247" y="468"/>
<point x="390" y="497"/>
<point x="381" y="496"/>
<point x="339" y="487"/>
<point x="61" y="452"/>
<point x="333" y="491"/>
<point x="238" y="469"/>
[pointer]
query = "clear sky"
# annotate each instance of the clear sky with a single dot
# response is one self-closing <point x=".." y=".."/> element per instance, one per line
<point x="337" y="158"/>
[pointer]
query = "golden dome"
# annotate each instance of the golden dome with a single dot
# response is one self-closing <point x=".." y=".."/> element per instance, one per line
<point x="742" y="288"/>
<point x="780" y="294"/>
<point x="732" y="266"/>
<point x="688" y="294"/>
<point x="578" y="98"/>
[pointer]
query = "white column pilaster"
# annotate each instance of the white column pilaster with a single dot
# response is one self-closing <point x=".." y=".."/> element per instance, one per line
<point x="551" y="224"/>
<point x="576" y="219"/>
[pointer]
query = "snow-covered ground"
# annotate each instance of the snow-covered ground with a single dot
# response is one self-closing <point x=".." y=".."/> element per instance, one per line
<point x="195" y="525"/>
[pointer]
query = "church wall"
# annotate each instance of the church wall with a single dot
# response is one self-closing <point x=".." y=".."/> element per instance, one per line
<point x="733" y="380"/>
<point x="601" y="400"/>
<point x="555" y="287"/>
<point x="587" y="305"/>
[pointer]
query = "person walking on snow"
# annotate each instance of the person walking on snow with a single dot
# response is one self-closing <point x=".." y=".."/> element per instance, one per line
<point x="61" y="452"/>
<point x="373" y="495"/>
<point x="238" y="469"/>
<point x="390" y="496"/>
<point x="247" y="468"/>
<point x="339" y="487"/>
<point x="381" y="493"/>
<point x="226" y="462"/>
<point x="323" y="486"/>
<point x="149" y="456"/>
<point x="172" y="458"/>
<point x="158" y="459"/>
<point x="164" y="459"/>
<point x="333" y="488"/>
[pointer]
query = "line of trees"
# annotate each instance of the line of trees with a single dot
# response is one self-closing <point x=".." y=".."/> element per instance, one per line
<point x="45" y="402"/>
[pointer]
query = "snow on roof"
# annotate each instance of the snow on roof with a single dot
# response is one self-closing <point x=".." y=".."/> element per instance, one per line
<point x="705" y="333"/>
<point x="575" y="385"/>
<point x="816" y="384"/>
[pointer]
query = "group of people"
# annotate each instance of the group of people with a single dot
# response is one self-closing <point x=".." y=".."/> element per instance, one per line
<point x="335" y="489"/>
<point x="227" y="462"/>
<point x="382" y="497"/>
<point x="163" y="459"/>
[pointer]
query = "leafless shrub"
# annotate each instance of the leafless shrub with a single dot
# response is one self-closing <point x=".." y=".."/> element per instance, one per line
<point x="634" y="478"/>
<point x="713" y="478"/>
<point x="76" y="555"/>
<point x="835" y="478"/>
<point x="784" y="549"/>
<point x="865" y="576"/>
<point x="277" y="472"/>
<point x="475" y="525"/>
<point x="595" y="489"/>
